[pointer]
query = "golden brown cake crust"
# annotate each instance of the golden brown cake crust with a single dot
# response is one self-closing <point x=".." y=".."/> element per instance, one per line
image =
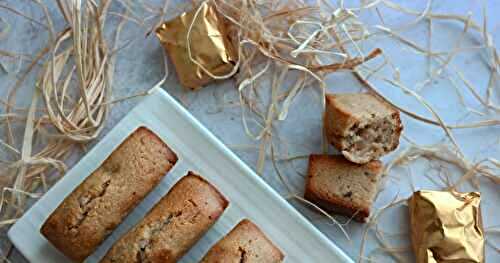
<point x="337" y="185"/>
<point x="174" y="224"/>
<point x="245" y="243"/>
<point x="361" y="126"/>
<point x="337" y="119"/>
<point x="96" y="207"/>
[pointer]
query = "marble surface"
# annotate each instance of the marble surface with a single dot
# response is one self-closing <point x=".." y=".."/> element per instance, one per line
<point x="140" y="66"/>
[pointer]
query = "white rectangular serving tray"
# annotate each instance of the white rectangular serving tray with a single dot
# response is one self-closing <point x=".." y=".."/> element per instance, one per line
<point x="200" y="151"/>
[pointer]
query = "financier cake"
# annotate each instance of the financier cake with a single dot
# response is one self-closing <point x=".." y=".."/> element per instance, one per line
<point x="174" y="224"/>
<point x="96" y="207"/>
<point x="245" y="243"/>
<point x="361" y="126"/>
<point x="340" y="186"/>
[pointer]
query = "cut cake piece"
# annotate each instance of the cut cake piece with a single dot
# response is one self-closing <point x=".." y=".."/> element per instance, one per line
<point x="339" y="186"/>
<point x="361" y="126"/>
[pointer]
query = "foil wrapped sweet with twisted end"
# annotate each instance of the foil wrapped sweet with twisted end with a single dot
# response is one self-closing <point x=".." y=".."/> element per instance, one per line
<point x="209" y="43"/>
<point x="446" y="227"/>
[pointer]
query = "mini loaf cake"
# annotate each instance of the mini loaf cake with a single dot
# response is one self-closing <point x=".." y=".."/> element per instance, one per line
<point x="173" y="226"/>
<point x="96" y="207"/>
<point x="245" y="243"/>
<point x="361" y="126"/>
<point x="337" y="185"/>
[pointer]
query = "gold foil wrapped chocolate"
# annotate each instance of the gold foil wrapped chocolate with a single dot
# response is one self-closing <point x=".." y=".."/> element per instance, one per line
<point x="209" y="44"/>
<point x="446" y="227"/>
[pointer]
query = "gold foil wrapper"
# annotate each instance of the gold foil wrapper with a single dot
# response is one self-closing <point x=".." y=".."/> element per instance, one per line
<point x="446" y="227"/>
<point x="209" y="43"/>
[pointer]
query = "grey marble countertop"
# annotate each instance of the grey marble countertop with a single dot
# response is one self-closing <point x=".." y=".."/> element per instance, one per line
<point x="140" y="66"/>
